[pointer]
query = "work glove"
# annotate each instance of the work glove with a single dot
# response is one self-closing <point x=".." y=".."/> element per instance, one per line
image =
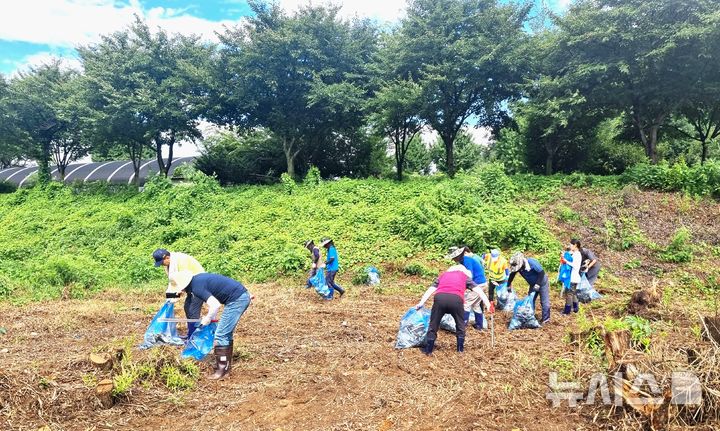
<point x="419" y="305"/>
<point x="492" y="308"/>
<point x="536" y="288"/>
<point x="205" y="320"/>
<point x="314" y="265"/>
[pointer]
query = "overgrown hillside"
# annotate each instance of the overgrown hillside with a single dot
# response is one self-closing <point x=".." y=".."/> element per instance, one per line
<point x="68" y="241"/>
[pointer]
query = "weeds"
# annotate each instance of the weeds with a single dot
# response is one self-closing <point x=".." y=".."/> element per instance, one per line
<point x="680" y="249"/>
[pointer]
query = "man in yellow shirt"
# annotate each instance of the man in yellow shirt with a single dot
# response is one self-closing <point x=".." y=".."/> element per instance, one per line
<point x="174" y="262"/>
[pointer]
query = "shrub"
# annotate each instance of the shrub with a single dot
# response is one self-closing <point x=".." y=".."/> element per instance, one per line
<point x="7" y="187"/>
<point x="701" y="180"/>
<point x="313" y="177"/>
<point x="680" y="249"/>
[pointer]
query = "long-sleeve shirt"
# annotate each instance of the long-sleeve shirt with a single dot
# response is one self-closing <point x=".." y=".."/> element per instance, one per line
<point x="183" y="262"/>
<point x="534" y="274"/>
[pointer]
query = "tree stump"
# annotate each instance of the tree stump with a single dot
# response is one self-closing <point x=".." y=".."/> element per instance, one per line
<point x="103" y="390"/>
<point x="616" y="344"/>
<point x="102" y="361"/>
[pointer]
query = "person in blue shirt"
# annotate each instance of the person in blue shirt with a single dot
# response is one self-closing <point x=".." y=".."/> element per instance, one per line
<point x="215" y="290"/>
<point x="531" y="270"/>
<point x="473" y="301"/>
<point x="332" y="265"/>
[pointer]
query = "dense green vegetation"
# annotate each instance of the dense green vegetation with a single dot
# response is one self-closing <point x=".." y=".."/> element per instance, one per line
<point x="606" y="86"/>
<point x="83" y="238"/>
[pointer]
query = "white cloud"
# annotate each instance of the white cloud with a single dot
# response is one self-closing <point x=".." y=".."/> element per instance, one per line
<point x="382" y="10"/>
<point x="68" y="23"/>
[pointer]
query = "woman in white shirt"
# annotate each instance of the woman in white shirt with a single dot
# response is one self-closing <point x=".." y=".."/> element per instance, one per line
<point x="571" y="299"/>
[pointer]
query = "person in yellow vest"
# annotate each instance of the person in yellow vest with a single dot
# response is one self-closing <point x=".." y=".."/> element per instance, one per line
<point x="174" y="262"/>
<point x="497" y="270"/>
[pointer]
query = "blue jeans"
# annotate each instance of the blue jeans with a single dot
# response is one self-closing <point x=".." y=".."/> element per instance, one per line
<point x="544" y="295"/>
<point x="229" y="320"/>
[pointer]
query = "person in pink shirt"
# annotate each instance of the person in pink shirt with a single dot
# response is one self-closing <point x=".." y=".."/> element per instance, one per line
<point x="449" y="291"/>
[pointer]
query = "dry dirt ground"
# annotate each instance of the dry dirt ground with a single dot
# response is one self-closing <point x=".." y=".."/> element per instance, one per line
<point x="306" y="364"/>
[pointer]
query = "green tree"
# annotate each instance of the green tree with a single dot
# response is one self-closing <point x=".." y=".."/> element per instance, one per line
<point x="253" y="157"/>
<point x="641" y="57"/>
<point x="12" y="138"/>
<point x="150" y="82"/>
<point x="468" y="153"/>
<point x="468" y="56"/>
<point x="39" y="100"/>
<point x="396" y="108"/>
<point x="302" y="77"/>
<point x="418" y="158"/>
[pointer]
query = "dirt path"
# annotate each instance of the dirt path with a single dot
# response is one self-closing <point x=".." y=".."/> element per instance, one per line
<point x="305" y="365"/>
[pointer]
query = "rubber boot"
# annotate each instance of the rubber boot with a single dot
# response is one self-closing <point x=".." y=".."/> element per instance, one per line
<point x="478" y="321"/>
<point x="566" y="310"/>
<point x="466" y="318"/>
<point x="230" y="358"/>
<point x="460" y="344"/>
<point x="576" y="307"/>
<point x="223" y="357"/>
<point x="428" y="349"/>
<point x="340" y="290"/>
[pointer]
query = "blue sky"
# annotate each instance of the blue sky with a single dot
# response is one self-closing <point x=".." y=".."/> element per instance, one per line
<point x="33" y="31"/>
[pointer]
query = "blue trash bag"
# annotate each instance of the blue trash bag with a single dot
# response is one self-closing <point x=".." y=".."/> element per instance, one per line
<point x="585" y="291"/>
<point x="413" y="328"/>
<point x="320" y="285"/>
<point x="506" y="298"/>
<point x="373" y="276"/>
<point x="201" y="342"/>
<point x="162" y="332"/>
<point x="447" y="323"/>
<point x="524" y="314"/>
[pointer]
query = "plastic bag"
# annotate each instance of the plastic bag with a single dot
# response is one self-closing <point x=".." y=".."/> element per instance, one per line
<point x="585" y="291"/>
<point x="506" y="299"/>
<point x="320" y="285"/>
<point x="201" y="342"/>
<point x="448" y="323"/>
<point x="413" y="328"/>
<point x="524" y="314"/>
<point x="373" y="276"/>
<point x="162" y="332"/>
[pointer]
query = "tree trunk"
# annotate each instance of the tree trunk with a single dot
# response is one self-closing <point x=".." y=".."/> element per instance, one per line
<point x="652" y="147"/>
<point x="44" y="176"/>
<point x="703" y="158"/>
<point x="549" y="164"/>
<point x="449" y="142"/>
<point x="290" y="155"/>
<point x="61" y="171"/>
<point x="158" y="154"/>
<point x="171" y="146"/>
<point x="399" y="163"/>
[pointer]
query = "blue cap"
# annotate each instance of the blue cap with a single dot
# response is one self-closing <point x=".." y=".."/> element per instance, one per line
<point x="159" y="255"/>
<point x="495" y="253"/>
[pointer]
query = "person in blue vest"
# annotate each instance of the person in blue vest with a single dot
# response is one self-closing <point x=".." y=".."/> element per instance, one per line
<point x="473" y="301"/>
<point x="531" y="270"/>
<point x="332" y="265"/>
<point x="216" y="290"/>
